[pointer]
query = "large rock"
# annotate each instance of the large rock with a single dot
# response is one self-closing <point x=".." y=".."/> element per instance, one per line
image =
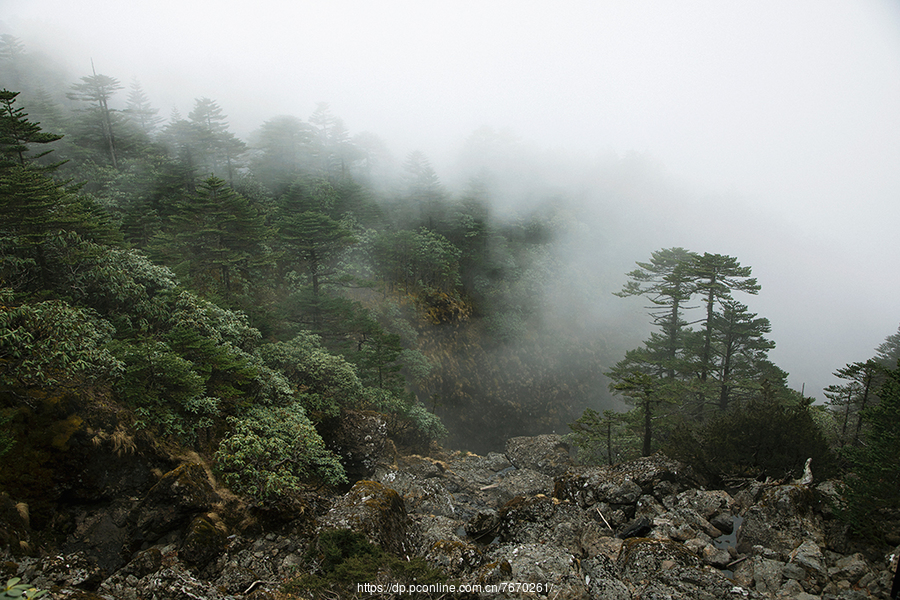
<point x="103" y="534"/>
<point x="809" y="557"/>
<point x="426" y="494"/>
<point x="547" y="454"/>
<point x="849" y="568"/>
<point x="625" y="483"/>
<point x="462" y="486"/>
<point x="532" y="571"/>
<point x="542" y="520"/>
<point x="711" y="505"/>
<point x="173" y="501"/>
<point x="663" y="569"/>
<point x="601" y="577"/>
<point x="442" y="542"/>
<point x="765" y="575"/>
<point x="204" y="542"/>
<point x="781" y="519"/>
<point x="683" y="524"/>
<point x="361" y="440"/>
<point x="374" y="510"/>
<point x="641" y="558"/>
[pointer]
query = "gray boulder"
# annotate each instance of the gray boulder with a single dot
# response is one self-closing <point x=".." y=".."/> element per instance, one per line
<point x="781" y="520"/>
<point x="374" y="510"/>
<point x="547" y="454"/>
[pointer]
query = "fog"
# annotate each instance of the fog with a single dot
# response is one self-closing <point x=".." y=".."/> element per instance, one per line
<point x="769" y="130"/>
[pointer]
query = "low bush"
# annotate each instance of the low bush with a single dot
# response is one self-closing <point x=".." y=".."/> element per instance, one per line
<point x="759" y="438"/>
<point x="272" y="450"/>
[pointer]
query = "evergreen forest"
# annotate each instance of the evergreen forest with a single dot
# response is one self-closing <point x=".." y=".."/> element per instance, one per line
<point x="163" y="279"/>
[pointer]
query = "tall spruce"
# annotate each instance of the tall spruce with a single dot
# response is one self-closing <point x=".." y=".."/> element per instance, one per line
<point x="139" y="110"/>
<point x="740" y="345"/>
<point x="97" y="90"/>
<point x="219" y="235"/>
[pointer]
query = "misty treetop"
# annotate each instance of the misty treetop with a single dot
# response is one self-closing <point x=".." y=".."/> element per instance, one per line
<point x="692" y="371"/>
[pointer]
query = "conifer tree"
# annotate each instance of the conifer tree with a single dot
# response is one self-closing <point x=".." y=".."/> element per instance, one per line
<point x="31" y="204"/>
<point x="423" y="189"/>
<point x="98" y="89"/>
<point x="218" y="147"/>
<point x="876" y="462"/>
<point x="220" y="234"/>
<point x="667" y="283"/>
<point x="284" y="150"/>
<point x="17" y="132"/>
<point x="139" y="110"/>
<point x="12" y="72"/>
<point x="740" y="346"/>
<point x="888" y="352"/>
<point x="716" y="276"/>
<point x="856" y="395"/>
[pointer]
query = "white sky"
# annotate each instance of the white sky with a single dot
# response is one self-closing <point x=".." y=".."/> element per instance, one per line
<point x="777" y="122"/>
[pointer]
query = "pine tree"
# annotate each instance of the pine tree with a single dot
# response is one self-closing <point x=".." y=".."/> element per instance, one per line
<point x="220" y="234"/>
<point x="740" y="345"/>
<point x="668" y="284"/>
<point x="312" y="238"/>
<point x="99" y="89"/>
<point x="17" y="132"/>
<point x="876" y="463"/>
<point x="31" y="204"/>
<point x="284" y="150"/>
<point x="888" y="352"/>
<point x="423" y="189"/>
<point x="717" y="276"/>
<point x="218" y="147"/>
<point x="139" y="110"/>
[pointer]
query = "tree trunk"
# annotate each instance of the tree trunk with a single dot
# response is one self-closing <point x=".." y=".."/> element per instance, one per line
<point x="648" y="433"/>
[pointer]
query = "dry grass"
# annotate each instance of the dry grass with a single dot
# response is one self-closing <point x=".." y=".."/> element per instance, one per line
<point x="120" y="439"/>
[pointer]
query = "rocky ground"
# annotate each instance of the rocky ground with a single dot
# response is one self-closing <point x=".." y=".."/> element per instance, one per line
<point x="527" y="523"/>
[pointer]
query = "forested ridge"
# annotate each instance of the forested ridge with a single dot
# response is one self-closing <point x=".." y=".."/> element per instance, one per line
<point x="167" y="282"/>
<point x="164" y="278"/>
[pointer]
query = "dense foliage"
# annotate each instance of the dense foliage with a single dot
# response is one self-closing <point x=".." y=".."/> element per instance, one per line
<point x="85" y="321"/>
<point x="761" y="438"/>
<point x="236" y="297"/>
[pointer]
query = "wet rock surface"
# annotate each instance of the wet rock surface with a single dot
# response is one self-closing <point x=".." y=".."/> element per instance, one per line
<point x="528" y="517"/>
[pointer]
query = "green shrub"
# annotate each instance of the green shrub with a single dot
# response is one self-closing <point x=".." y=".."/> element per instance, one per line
<point x="328" y="382"/>
<point x="409" y="422"/>
<point x="168" y="395"/>
<point x="759" y="438"/>
<point x="51" y="343"/>
<point x="272" y="450"/>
